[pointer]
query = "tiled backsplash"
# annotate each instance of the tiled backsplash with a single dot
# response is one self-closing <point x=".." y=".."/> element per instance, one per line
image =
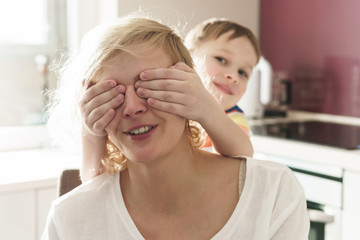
<point x="316" y="44"/>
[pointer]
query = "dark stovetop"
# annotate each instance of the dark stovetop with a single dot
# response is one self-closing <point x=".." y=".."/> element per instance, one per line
<point x="324" y="133"/>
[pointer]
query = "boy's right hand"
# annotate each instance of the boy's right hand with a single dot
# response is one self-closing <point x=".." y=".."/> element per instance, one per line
<point x="98" y="104"/>
<point x="179" y="90"/>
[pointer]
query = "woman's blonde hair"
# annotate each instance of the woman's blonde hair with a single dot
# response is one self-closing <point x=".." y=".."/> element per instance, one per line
<point x="213" y="28"/>
<point x="98" y="47"/>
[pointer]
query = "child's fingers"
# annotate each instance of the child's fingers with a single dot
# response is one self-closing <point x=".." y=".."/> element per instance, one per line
<point x="162" y="84"/>
<point x="100" y="125"/>
<point x="182" y="66"/>
<point x="163" y="73"/>
<point x="105" y="97"/>
<point x="89" y="102"/>
<point x="99" y="88"/>
<point x="98" y="118"/>
<point x="169" y="107"/>
<point x="100" y="111"/>
<point x="165" y="96"/>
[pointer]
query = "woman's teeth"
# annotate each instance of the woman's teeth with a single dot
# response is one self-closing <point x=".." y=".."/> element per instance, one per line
<point x="141" y="130"/>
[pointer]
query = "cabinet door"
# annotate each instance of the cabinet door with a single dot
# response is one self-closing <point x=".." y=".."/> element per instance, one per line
<point x="45" y="198"/>
<point x="351" y="214"/>
<point x="17" y="215"/>
<point x="350" y="225"/>
<point x="351" y="192"/>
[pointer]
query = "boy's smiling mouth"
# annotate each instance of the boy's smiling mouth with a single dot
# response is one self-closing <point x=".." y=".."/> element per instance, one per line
<point x="223" y="88"/>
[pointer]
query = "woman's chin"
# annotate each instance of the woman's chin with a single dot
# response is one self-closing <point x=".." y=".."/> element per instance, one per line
<point x="142" y="156"/>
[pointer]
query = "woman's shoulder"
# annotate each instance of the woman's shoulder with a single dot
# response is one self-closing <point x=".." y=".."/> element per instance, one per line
<point x="272" y="174"/>
<point x="91" y="189"/>
<point x="265" y="167"/>
<point x="223" y="163"/>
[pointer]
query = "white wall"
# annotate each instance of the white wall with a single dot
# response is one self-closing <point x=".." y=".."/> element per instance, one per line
<point x="20" y="91"/>
<point x="21" y="82"/>
<point x="83" y="15"/>
<point x="21" y="98"/>
<point x="191" y="12"/>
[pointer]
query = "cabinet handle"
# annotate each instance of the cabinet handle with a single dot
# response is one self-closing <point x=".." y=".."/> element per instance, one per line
<point x="320" y="216"/>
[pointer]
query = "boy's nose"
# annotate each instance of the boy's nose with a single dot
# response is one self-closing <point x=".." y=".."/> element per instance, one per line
<point x="232" y="76"/>
<point x="134" y="105"/>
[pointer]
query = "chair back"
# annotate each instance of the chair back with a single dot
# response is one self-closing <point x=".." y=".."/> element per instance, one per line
<point x="69" y="179"/>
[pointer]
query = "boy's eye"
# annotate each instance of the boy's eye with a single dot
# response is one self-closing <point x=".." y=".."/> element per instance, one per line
<point x="243" y="73"/>
<point x="220" y="59"/>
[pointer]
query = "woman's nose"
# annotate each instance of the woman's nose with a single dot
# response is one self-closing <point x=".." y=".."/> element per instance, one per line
<point x="134" y="106"/>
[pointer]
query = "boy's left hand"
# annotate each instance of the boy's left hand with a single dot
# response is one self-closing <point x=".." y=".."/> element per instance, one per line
<point x="178" y="90"/>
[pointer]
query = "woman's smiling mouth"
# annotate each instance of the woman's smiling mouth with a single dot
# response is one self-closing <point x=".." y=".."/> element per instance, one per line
<point x="141" y="130"/>
<point x="139" y="133"/>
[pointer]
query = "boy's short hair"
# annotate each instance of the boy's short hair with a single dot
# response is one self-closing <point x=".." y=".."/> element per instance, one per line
<point x="213" y="28"/>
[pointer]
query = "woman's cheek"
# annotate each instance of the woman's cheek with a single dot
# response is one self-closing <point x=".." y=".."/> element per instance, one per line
<point x="113" y="127"/>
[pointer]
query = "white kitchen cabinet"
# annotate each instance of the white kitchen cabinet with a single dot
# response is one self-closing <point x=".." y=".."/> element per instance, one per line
<point x="23" y="214"/>
<point x="17" y="215"/>
<point x="350" y="225"/>
<point x="352" y="191"/>
<point x="27" y="193"/>
<point x="351" y="212"/>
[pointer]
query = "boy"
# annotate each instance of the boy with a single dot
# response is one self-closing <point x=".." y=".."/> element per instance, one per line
<point x="226" y="52"/>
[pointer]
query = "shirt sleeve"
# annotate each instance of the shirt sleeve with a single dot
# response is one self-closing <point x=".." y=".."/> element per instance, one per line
<point x="290" y="219"/>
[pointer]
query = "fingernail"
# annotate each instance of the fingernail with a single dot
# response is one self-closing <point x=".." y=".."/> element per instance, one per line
<point x="111" y="112"/>
<point x="137" y="84"/>
<point x="143" y="75"/>
<point x="112" y="84"/>
<point x="151" y="101"/>
<point x="119" y="98"/>
<point x="120" y="89"/>
<point x="140" y="91"/>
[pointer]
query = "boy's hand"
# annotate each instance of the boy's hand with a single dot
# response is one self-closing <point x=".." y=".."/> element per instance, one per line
<point x="178" y="90"/>
<point x="98" y="103"/>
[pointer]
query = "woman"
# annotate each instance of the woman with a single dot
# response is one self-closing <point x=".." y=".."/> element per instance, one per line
<point x="158" y="184"/>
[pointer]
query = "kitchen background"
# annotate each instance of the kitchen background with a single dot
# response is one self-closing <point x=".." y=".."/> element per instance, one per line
<point x="315" y="44"/>
<point x="312" y="45"/>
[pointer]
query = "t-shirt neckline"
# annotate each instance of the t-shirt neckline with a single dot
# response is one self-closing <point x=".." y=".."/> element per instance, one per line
<point x="224" y="232"/>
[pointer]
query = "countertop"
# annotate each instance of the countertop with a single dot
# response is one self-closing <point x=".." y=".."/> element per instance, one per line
<point x="33" y="169"/>
<point x="312" y="153"/>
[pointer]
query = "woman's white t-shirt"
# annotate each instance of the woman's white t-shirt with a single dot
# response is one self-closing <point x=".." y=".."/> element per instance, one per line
<point x="272" y="205"/>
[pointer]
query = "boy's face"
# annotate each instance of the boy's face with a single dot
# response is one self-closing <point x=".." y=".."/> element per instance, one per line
<point x="228" y="65"/>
